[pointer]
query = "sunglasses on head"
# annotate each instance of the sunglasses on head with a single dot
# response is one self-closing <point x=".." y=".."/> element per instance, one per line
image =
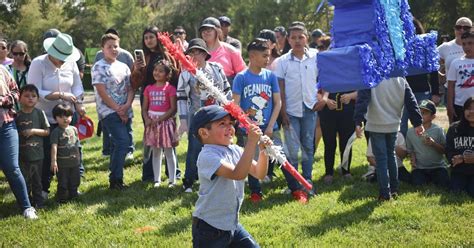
<point x="18" y="53"/>
<point x="461" y="27"/>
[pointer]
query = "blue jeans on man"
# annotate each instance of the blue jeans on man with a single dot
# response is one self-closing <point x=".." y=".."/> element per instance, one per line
<point x="9" y="151"/>
<point x="383" y="147"/>
<point x="191" y="173"/>
<point x="205" y="235"/>
<point x="119" y="135"/>
<point x="300" y="134"/>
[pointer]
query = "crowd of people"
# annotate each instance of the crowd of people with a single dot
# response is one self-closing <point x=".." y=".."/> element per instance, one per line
<point x="42" y="99"/>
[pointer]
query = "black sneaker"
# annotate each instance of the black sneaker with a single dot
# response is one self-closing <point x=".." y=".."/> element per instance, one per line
<point x="118" y="185"/>
<point x="384" y="198"/>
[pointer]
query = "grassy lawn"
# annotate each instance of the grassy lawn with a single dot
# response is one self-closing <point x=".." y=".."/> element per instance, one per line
<point x="345" y="213"/>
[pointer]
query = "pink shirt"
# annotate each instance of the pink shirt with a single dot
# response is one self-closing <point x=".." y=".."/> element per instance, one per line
<point x="230" y="58"/>
<point x="159" y="98"/>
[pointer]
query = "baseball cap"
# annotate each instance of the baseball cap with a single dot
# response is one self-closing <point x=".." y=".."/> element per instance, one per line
<point x="317" y="33"/>
<point x="205" y="115"/>
<point x="428" y="105"/>
<point x="210" y="22"/>
<point x="225" y="19"/>
<point x="464" y="21"/>
<point x="51" y="33"/>
<point x="280" y="29"/>
<point x="267" y="34"/>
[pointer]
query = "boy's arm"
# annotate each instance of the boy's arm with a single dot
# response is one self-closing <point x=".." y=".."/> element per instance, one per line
<point x="284" y="117"/>
<point x="54" y="163"/>
<point x="413" y="160"/>
<point x="362" y="102"/>
<point x="401" y="153"/>
<point x="236" y="98"/>
<point x="275" y="113"/>
<point x="413" y="110"/>
<point x="259" y="169"/>
<point x="432" y="143"/>
<point x="241" y="170"/>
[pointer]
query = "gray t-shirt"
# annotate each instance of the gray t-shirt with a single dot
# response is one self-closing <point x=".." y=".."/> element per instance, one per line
<point x="220" y="198"/>
<point x="31" y="148"/>
<point x="427" y="157"/>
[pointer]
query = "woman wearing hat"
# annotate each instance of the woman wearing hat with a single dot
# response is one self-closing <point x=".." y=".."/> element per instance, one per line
<point x="142" y="76"/>
<point x="9" y="143"/>
<point x="57" y="78"/>
<point x="223" y="53"/>
<point x="191" y="98"/>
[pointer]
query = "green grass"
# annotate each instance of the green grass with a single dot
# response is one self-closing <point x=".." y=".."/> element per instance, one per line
<point x="345" y="213"/>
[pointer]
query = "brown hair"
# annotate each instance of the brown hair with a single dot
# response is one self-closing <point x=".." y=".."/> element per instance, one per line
<point x="107" y="37"/>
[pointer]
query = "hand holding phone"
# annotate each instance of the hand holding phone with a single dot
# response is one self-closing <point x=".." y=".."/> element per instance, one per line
<point x="140" y="57"/>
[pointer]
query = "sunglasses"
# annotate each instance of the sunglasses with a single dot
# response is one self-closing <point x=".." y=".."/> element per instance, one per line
<point x="18" y="53"/>
<point x="460" y="27"/>
<point x="179" y="33"/>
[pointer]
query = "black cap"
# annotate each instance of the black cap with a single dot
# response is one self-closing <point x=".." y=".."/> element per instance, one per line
<point x="112" y="31"/>
<point x="317" y="33"/>
<point x="198" y="43"/>
<point x="206" y="115"/>
<point x="51" y="33"/>
<point x="280" y="29"/>
<point x="225" y="19"/>
<point x="428" y="105"/>
<point x="210" y="22"/>
<point x="267" y="34"/>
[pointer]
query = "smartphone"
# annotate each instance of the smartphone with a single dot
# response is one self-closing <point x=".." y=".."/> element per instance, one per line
<point x="139" y="55"/>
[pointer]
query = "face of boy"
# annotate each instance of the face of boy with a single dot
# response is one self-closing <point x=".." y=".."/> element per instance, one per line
<point x="28" y="99"/>
<point x="197" y="55"/>
<point x="468" y="47"/>
<point x="426" y="115"/>
<point x="297" y="40"/>
<point x="110" y="49"/>
<point x="221" y="133"/>
<point x="63" y="121"/>
<point x="260" y="58"/>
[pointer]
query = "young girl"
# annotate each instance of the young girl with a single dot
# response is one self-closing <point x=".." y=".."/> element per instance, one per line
<point x="158" y="110"/>
<point x="460" y="150"/>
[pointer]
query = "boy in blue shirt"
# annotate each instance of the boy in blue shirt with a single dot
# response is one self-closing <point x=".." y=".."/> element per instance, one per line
<point x="257" y="92"/>
<point x="222" y="168"/>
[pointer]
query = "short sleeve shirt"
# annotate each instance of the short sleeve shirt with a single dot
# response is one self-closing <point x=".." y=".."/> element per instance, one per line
<point x="462" y="71"/>
<point x="256" y="94"/>
<point x="449" y="51"/>
<point x="68" y="146"/>
<point x="159" y="98"/>
<point x="427" y="157"/>
<point x="300" y="78"/>
<point x="31" y="148"/>
<point x="116" y="79"/>
<point x="220" y="198"/>
<point x="230" y="59"/>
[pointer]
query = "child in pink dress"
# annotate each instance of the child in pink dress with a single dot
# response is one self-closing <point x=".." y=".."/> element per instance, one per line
<point x="158" y="111"/>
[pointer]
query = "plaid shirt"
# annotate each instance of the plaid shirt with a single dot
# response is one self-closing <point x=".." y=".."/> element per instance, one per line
<point x="7" y="101"/>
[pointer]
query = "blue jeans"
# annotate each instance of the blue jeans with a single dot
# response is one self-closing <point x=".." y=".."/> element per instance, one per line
<point x="383" y="147"/>
<point x="191" y="173"/>
<point x="107" y="144"/>
<point x="300" y="133"/>
<point x="420" y="96"/>
<point x="462" y="183"/>
<point x="119" y="135"/>
<point x="205" y="235"/>
<point x="9" y="147"/>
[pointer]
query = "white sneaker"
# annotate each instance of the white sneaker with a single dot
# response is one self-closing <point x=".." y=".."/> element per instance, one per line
<point x="171" y="185"/>
<point x="157" y="185"/>
<point x="188" y="190"/>
<point x="129" y="156"/>
<point x="30" y="213"/>
<point x="370" y="172"/>
<point x="44" y="194"/>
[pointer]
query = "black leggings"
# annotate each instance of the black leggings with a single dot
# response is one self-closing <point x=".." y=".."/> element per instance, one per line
<point x="333" y="123"/>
